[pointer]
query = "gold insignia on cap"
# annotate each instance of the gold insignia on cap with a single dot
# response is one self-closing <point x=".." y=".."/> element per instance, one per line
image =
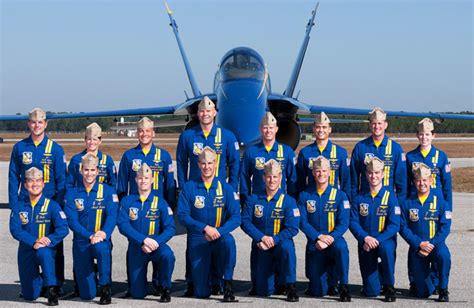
<point x="268" y="119"/>
<point x="144" y="171"/>
<point x="321" y="162"/>
<point x="206" y="103"/>
<point x="421" y="171"/>
<point x="377" y="114"/>
<point x="89" y="161"/>
<point x="373" y="164"/>
<point x="425" y="125"/>
<point x="272" y="167"/>
<point x="145" y="123"/>
<point x="93" y="131"/>
<point x="37" y="114"/>
<point x="33" y="173"/>
<point x="207" y="155"/>
<point x="321" y="118"/>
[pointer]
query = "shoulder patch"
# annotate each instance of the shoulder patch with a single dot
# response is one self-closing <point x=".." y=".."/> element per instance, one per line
<point x="448" y="214"/>
<point x="447" y="168"/>
<point x="115" y="198"/>
<point x="347" y="205"/>
<point x="397" y="210"/>
<point x="295" y="160"/>
<point x="62" y="214"/>
<point x="236" y="144"/>
<point x="170" y="211"/>
<point x="296" y="212"/>
<point x="404" y="157"/>
<point x="348" y="162"/>
<point x="171" y="168"/>
<point x="236" y="196"/>
<point x="64" y="158"/>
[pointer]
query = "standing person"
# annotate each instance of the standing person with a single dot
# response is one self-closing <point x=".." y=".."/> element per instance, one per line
<point x="426" y="223"/>
<point x="209" y="209"/>
<point x="48" y="156"/>
<point x="39" y="224"/>
<point x="91" y="209"/>
<point x="381" y="146"/>
<point x="375" y="222"/>
<point x="325" y="215"/>
<point x="271" y="219"/>
<point x="107" y="170"/>
<point x="146" y="220"/>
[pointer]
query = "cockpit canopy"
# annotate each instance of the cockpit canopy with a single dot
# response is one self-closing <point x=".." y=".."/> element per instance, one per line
<point x="242" y="62"/>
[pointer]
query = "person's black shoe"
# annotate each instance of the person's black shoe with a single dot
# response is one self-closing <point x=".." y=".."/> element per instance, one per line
<point x="308" y="292"/>
<point x="436" y="291"/>
<point x="443" y="296"/>
<point x="253" y="290"/>
<point x="165" y="295"/>
<point x="412" y="290"/>
<point x="189" y="292"/>
<point x="280" y="290"/>
<point x="389" y="293"/>
<point x="344" y="295"/>
<point x="216" y="290"/>
<point x="59" y="290"/>
<point x="291" y="295"/>
<point x="229" y="296"/>
<point x="52" y="296"/>
<point x="157" y="290"/>
<point x="105" y="295"/>
<point x="332" y="291"/>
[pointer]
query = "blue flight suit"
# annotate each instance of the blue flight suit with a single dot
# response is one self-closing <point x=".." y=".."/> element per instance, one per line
<point x="192" y="141"/>
<point x="395" y="172"/>
<point x="159" y="160"/>
<point x="251" y="169"/>
<point x="107" y="170"/>
<point x="27" y="224"/>
<point x="340" y="176"/>
<point x="428" y="222"/>
<point x="48" y="157"/>
<point x="217" y="207"/>
<point x="440" y="166"/>
<point x="378" y="217"/>
<point x="87" y="213"/>
<point x="325" y="214"/>
<point x="279" y="218"/>
<point x="138" y="220"/>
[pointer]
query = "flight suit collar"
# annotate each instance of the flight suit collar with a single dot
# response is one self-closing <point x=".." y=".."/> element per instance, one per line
<point x="200" y="184"/>
<point x="274" y="148"/>
<point x="326" y="149"/>
<point x="430" y="153"/>
<point x="326" y="191"/>
<point x="138" y="149"/>
<point x="427" y="201"/>
<point x="276" y="196"/>
<point x="42" y="143"/>
<point x="383" y="143"/>
<point x="148" y="199"/>
<point x="38" y="204"/>
<point x="379" y="194"/>
<point x="211" y="133"/>
<point x="82" y="188"/>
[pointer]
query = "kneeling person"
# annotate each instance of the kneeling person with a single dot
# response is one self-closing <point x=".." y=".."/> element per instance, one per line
<point x="271" y="219"/>
<point x="425" y="226"/>
<point x="39" y="225"/>
<point x="324" y="219"/>
<point x="209" y="209"/>
<point x="147" y="221"/>
<point x="91" y="208"/>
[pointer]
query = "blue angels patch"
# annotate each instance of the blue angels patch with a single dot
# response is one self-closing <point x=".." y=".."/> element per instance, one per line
<point x="133" y="213"/>
<point x="197" y="148"/>
<point x="414" y="215"/>
<point x="24" y="218"/>
<point x="311" y="206"/>
<point x="364" y="209"/>
<point x="259" y="163"/>
<point x="79" y="203"/>
<point x="136" y="164"/>
<point x="27" y="158"/>
<point x="258" y="210"/>
<point x="199" y="202"/>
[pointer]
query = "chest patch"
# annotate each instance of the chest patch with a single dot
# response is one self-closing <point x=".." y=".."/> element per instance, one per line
<point x="199" y="202"/>
<point x="259" y="163"/>
<point x="24" y="218"/>
<point x="311" y="206"/>
<point x="136" y="164"/>
<point x="197" y="148"/>
<point x="258" y="211"/>
<point x="133" y="213"/>
<point x="27" y="158"/>
<point x="79" y="203"/>
<point x="364" y="209"/>
<point x="414" y="215"/>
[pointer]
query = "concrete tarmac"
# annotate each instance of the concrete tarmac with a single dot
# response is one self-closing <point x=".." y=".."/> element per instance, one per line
<point x="460" y="242"/>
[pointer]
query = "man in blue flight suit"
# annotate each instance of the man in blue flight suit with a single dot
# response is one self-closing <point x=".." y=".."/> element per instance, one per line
<point x="426" y="223"/>
<point x="252" y="179"/>
<point x="92" y="209"/>
<point x="339" y="176"/>
<point x="46" y="155"/>
<point x="440" y="166"/>
<point x="191" y="142"/>
<point x="324" y="219"/>
<point x="271" y="219"/>
<point x="39" y="224"/>
<point x="146" y="219"/>
<point x="107" y="170"/>
<point x="210" y="210"/>
<point x="381" y="146"/>
<point x="375" y="222"/>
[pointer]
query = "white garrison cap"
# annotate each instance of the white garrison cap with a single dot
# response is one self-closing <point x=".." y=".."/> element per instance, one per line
<point x="33" y="173"/>
<point x="37" y="114"/>
<point x="421" y="171"/>
<point x="272" y="167"/>
<point x="321" y="162"/>
<point x="89" y="161"/>
<point x="321" y="118"/>
<point x="425" y="125"/>
<point x="93" y="131"/>
<point x="206" y="103"/>
<point x="144" y="171"/>
<point x="268" y="119"/>
<point x="145" y="123"/>
<point x="377" y="114"/>
<point x="373" y="164"/>
<point x="207" y="155"/>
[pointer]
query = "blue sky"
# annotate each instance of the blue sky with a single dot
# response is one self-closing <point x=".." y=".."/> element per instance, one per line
<point x="82" y="55"/>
